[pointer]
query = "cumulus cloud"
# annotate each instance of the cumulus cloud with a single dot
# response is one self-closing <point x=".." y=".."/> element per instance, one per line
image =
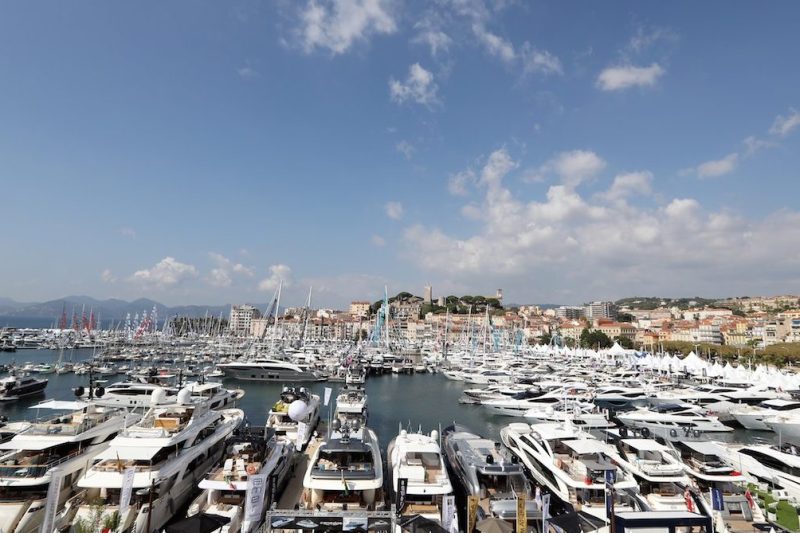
<point x="784" y="124"/>
<point x="629" y="184"/>
<point x="168" y="272"/>
<point x="225" y="269"/>
<point x="572" y="167"/>
<point x="393" y="210"/>
<point x="378" y="241"/>
<point x="418" y="87"/>
<point x="568" y="240"/>
<point x="627" y="76"/>
<point x="718" y="167"/>
<point x="337" y="25"/>
<point x="106" y="276"/>
<point x="277" y="274"/>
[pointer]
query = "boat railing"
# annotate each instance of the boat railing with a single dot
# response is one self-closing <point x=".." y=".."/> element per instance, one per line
<point x="23" y="470"/>
<point x="55" y="426"/>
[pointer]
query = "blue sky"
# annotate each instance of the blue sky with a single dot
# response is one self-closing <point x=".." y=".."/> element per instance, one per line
<point x="197" y="152"/>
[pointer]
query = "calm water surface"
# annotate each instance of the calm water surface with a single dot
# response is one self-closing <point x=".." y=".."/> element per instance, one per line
<point x="429" y="400"/>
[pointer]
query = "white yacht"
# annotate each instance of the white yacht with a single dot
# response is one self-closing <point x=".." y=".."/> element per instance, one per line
<point x="660" y="474"/>
<point x="170" y="449"/>
<point x="672" y="422"/>
<point x="66" y="442"/>
<point x="249" y="452"/>
<point x="766" y="464"/>
<point x="709" y="464"/>
<point x="483" y="468"/>
<point x="134" y="394"/>
<point x="580" y="414"/>
<point x="267" y="369"/>
<point x="345" y="470"/>
<point x="351" y="404"/>
<point x="786" y="425"/>
<point x="571" y="464"/>
<point x="296" y="424"/>
<point x="418" y="458"/>
<point x="752" y="416"/>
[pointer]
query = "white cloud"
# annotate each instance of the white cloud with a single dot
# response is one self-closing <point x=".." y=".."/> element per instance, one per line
<point x="567" y="240"/>
<point x="225" y="269"/>
<point x="753" y="145"/>
<point x="277" y="274"/>
<point x="629" y="184"/>
<point x="497" y="166"/>
<point x="107" y="276"/>
<point x="627" y="76"/>
<point x="378" y="241"/>
<point x="127" y="231"/>
<point x="719" y="167"/>
<point x="494" y="44"/>
<point x="572" y="167"/>
<point x="336" y="25"/>
<point x="430" y="33"/>
<point x="459" y="183"/>
<point x="645" y="38"/>
<point x="536" y="61"/>
<point x="166" y="273"/>
<point x="405" y="148"/>
<point x="419" y="87"/>
<point x="393" y="210"/>
<point x="784" y="125"/>
<point x="247" y="72"/>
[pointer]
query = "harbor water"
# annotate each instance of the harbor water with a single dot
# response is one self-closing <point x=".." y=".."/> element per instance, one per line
<point x="426" y="400"/>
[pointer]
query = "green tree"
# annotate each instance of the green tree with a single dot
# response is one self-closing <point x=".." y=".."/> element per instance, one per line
<point x="545" y="338"/>
<point x="625" y="342"/>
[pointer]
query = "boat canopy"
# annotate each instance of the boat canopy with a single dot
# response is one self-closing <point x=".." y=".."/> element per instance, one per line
<point x="132" y="453"/>
<point x="60" y="405"/>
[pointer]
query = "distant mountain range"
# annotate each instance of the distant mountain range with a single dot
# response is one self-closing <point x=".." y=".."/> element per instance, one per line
<point x="106" y="309"/>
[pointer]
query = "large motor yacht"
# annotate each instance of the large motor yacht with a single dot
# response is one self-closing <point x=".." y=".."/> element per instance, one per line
<point x="266" y="369"/>
<point x="572" y="465"/>
<point x="673" y="422"/>
<point x="15" y="387"/>
<point x="752" y="416"/>
<point x="296" y="424"/>
<point x="346" y="470"/>
<point x="417" y="458"/>
<point x="249" y="452"/>
<point x="64" y="443"/>
<point x="482" y="468"/>
<point x="170" y="449"/>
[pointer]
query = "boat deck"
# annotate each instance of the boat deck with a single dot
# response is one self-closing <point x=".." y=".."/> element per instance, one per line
<point x="293" y="492"/>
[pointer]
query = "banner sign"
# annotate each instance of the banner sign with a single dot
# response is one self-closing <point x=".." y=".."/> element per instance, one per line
<point x="127" y="488"/>
<point x="402" y="490"/>
<point x="522" y="514"/>
<point x="254" y="498"/>
<point x="52" y="500"/>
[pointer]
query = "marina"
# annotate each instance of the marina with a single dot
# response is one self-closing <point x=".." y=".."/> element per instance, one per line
<point x="367" y="445"/>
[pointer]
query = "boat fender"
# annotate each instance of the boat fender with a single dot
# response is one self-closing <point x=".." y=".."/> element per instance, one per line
<point x="251" y="469"/>
<point x="79" y="391"/>
<point x="623" y="431"/>
<point x="645" y="433"/>
<point x="99" y="391"/>
<point x="696" y="433"/>
<point x="673" y="432"/>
